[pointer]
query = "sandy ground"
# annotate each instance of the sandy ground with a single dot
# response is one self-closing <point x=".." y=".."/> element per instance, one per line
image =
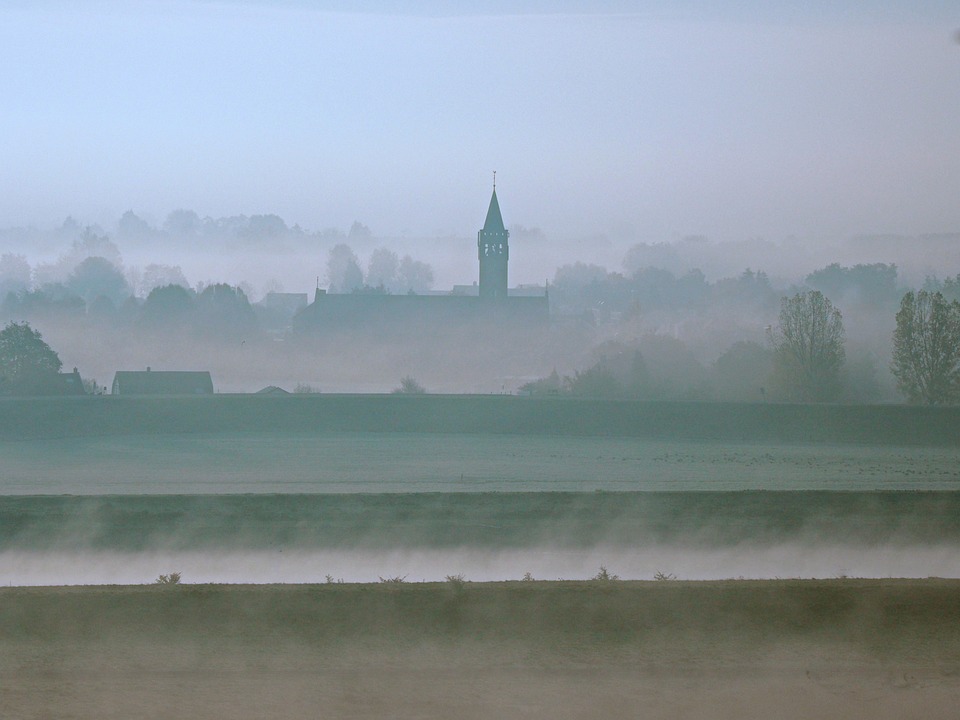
<point x="784" y="649"/>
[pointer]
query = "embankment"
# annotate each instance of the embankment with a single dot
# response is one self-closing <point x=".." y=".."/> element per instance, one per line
<point x="23" y="418"/>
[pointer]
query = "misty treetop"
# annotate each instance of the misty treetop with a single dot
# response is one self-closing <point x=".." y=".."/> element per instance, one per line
<point x="386" y="272"/>
<point x="97" y="277"/>
<point x="218" y="310"/>
<point x="15" y="274"/>
<point x="874" y="284"/>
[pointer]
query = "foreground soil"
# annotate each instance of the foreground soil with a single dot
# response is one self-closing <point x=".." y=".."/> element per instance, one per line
<point x="785" y="649"/>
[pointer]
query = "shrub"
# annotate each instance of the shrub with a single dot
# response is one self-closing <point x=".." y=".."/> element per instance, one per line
<point x="171" y="579"/>
<point x="456" y="581"/>
<point x="409" y="386"/>
<point x="605" y="576"/>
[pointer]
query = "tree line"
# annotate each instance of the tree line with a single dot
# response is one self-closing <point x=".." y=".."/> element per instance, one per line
<point x="803" y="361"/>
<point x="806" y="350"/>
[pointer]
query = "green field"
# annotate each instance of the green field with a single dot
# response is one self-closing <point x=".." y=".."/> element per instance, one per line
<point x="345" y="462"/>
<point x="481" y="522"/>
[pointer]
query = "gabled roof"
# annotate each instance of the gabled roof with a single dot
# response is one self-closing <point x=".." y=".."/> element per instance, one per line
<point x="494" y="221"/>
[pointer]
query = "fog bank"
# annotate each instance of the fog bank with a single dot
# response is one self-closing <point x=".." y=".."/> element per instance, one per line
<point x="750" y="561"/>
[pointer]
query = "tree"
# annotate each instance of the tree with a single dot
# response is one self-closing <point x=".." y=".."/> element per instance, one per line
<point x="264" y="227"/>
<point x="26" y="362"/>
<point x="414" y="276"/>
<point x="871" y="284"/>
<point x="926" y="348"/>
<point x="740" y="373"/>
<point x="14" y="274"/>
<point x="343" y="271"/>
<point x="91" y="244"/>
<point x="382" y="269"/>
<point x="596" y="382"/>
<point x="409" y="386"/>
<point x="224" y="310"/>
<point x="155" y="276"/>
<point x="359" y="231"/>
<point x="170" y="306"/>
<point x="130" y="226"/>
<point x="808" y="350"/>
<point x="182" y="223"/>
<point x="97" y="276"/>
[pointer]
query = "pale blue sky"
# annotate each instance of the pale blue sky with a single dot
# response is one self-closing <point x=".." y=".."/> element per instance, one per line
<point x="645" y="120"/>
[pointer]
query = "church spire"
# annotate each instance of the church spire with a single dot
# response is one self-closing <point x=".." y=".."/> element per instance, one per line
<point x="493" y="250"/>
<point x="494" y="221"/>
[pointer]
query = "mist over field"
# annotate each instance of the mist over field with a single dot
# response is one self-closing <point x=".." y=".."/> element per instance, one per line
<point x="694" y="452"/>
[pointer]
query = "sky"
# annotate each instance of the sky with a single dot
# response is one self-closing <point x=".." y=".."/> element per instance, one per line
<point x="648" y="121"/>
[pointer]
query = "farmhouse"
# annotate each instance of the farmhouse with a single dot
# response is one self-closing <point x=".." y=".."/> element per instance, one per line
<point x="492" y="304"/>
<point x="164" y="382"/>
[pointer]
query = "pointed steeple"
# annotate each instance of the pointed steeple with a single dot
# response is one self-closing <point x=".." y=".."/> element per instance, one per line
<point x="494" y="221"/>
<point x="493" y="251"/>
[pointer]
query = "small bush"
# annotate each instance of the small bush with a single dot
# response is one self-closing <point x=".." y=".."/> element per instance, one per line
<point x="662" y="576"/>
<point x="409" y="386"/>
<point x="171" y="579"/>
<point x="457" y="581"/>
<point x="394" y="580"/>
<point x="605" y="576"/>
<point x="527" y="577"/>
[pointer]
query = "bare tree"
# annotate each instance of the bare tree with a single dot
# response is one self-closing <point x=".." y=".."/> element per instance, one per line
<point x="926" y="348"/>
<point x="808" y="348"/>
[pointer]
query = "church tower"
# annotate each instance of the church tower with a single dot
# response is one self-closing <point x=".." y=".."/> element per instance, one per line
<point x="493" y="251"/>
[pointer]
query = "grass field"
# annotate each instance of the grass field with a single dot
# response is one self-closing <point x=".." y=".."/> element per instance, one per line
<point x="343" y="462"/>
<point x="851" y="649"/>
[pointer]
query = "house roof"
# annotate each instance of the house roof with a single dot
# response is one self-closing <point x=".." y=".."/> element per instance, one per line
<point x="163" y="382"/>
<point x="45" y="384"/>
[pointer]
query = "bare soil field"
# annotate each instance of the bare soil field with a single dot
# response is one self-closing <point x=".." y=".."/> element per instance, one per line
<point x="785" y="649"/>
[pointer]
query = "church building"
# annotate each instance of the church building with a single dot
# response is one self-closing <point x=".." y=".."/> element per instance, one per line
<point x="493" y="304"/>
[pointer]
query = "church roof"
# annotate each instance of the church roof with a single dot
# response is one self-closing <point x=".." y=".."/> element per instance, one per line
<point x="494" y="221"/>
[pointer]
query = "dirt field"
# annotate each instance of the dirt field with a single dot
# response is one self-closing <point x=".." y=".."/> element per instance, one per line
<point x="788" y="649"/>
